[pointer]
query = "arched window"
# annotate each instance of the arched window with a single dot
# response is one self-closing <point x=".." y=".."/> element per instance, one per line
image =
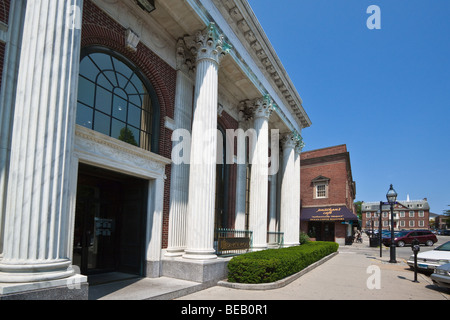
<point x="116" y="99"/>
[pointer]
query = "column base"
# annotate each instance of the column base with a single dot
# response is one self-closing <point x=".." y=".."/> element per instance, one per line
<point x="288" y="245"/>
<point x="16" y="272"/>
<point x="260" y="247"/>
<point x="200" y="255"/>
<point x="202" y="271"/>
<point x="174" y="252"/>
<point x="73" y="288"/>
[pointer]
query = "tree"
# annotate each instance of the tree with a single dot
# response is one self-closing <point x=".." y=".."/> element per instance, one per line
<point x="127" y="136"/>
<point x="447" y="217"/>
<point x="358" y="205"/>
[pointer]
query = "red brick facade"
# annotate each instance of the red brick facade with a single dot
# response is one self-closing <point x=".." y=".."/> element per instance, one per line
<point x="332" y="163"/>
<point x="100" y="29"/>
<point x="330" y="166"/>
<point x="408" y="215"/>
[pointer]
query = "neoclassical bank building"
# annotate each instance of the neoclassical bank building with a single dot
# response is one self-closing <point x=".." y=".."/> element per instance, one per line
<point x="139" y="137"/>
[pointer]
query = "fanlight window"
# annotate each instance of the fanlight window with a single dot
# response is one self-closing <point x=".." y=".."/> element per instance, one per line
<point x="115" y="99"/>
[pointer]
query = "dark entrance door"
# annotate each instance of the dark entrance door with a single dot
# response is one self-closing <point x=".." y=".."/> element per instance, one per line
<point x="109" y="222"/>
<point x="322" y="231"/>
<point x="328" y="231"/>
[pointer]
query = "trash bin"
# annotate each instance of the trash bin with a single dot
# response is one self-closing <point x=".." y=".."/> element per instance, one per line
<point x="374" y="242"/>
<point x="348" y="240"/>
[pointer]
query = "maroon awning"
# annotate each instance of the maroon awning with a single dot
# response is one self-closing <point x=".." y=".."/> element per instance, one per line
<point x="338" y="213"/>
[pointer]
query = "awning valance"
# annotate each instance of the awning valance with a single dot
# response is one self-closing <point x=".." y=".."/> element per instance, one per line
<point x="338" y="213"/>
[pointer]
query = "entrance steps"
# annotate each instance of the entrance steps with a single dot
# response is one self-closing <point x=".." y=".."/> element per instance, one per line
<point x="163" y="288"/>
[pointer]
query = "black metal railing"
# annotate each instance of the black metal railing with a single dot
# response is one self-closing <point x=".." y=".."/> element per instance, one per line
<point x="275" y="239"/>
<point x="230" y="242"/>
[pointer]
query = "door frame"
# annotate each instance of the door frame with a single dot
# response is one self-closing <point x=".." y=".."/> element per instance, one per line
<point x="113" y="194"/>
<point x="96" y="149"/>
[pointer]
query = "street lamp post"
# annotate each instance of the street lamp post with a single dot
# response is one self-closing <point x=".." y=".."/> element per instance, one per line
<point x="391" y="198"/>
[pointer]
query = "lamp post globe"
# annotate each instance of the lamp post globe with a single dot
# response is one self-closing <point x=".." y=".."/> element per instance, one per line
<point x="391" y="197"/>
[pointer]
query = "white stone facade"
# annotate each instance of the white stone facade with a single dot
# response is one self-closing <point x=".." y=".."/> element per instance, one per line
<point x="225" y="66"/>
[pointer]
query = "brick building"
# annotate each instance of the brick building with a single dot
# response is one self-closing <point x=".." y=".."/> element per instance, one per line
<point x="95" y="96"/>
<point x="328" y="193"/>
<point x="408" y="215"/>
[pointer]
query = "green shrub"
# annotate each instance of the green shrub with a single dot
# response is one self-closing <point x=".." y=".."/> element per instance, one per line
<point x="304" y="238"/>
<point x="276" y="264"/>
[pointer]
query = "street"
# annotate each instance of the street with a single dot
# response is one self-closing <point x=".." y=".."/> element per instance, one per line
<point x="356" y="273"/>
<point x="405" y="252"/>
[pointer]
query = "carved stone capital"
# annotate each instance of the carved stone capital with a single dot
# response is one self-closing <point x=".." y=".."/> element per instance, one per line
<point x="208" y="44"/>
<point x="185" y="60"/>
<point x="263" y="107"/>
<point x="289" y="140"/>
<point x="259" y="108"/>
<point x="299" y="147"/>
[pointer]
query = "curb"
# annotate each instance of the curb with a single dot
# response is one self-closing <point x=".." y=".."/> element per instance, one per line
<point x="277" y="284"/>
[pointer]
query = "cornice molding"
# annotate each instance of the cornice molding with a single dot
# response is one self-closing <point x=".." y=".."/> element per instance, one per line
<point x="243" y="17"/>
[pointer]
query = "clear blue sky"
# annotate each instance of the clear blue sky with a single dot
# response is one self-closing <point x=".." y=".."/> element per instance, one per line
<point x="384" y="93"/>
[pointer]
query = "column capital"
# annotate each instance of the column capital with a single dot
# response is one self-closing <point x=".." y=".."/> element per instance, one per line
<point x="263" y="107"/>
<point x="289" y="140"/>
<point x="208" y="44"/>
<point x="185" y="59"/>
<point x="259" y="108"/>
<point x="300" y="145"/>
<point x="292" y="140"/>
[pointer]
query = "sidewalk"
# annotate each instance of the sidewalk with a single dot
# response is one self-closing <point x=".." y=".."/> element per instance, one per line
<point x="343" y="277"/>
<point x="353" y="274"/>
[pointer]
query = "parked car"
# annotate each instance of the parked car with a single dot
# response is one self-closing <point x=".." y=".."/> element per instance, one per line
<point x="441" y="276"/>
<point x="403" y="238"/>
<point x="432" y="259"/>
<point x="387" y="234"/>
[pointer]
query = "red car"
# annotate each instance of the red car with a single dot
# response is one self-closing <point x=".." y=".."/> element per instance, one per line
<point x="403" y="238"/>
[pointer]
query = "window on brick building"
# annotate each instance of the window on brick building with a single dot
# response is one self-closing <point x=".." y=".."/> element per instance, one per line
<point x="411" y="214"/>
<point x="116" y="99"/>
<point x="321" y="191"/>
<point x="321" y="185"/>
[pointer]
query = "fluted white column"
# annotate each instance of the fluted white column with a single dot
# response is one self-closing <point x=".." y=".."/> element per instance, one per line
<point x="259" y="174"/>
<point x="241" y="183"/>
<point x="37" y="224"/>
<point x="179" y="185"/>
<point x="296" y="212"/>
<point x="210" y="48"/>
<point x="7" y="101"/>
<point x="288" y="212"/>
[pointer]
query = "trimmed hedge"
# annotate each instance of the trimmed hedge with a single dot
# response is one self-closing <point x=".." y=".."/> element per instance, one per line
<point x="276" y="264"/>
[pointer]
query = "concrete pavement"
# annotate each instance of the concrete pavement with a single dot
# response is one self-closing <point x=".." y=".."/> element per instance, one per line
<point x="356" y="273"/>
